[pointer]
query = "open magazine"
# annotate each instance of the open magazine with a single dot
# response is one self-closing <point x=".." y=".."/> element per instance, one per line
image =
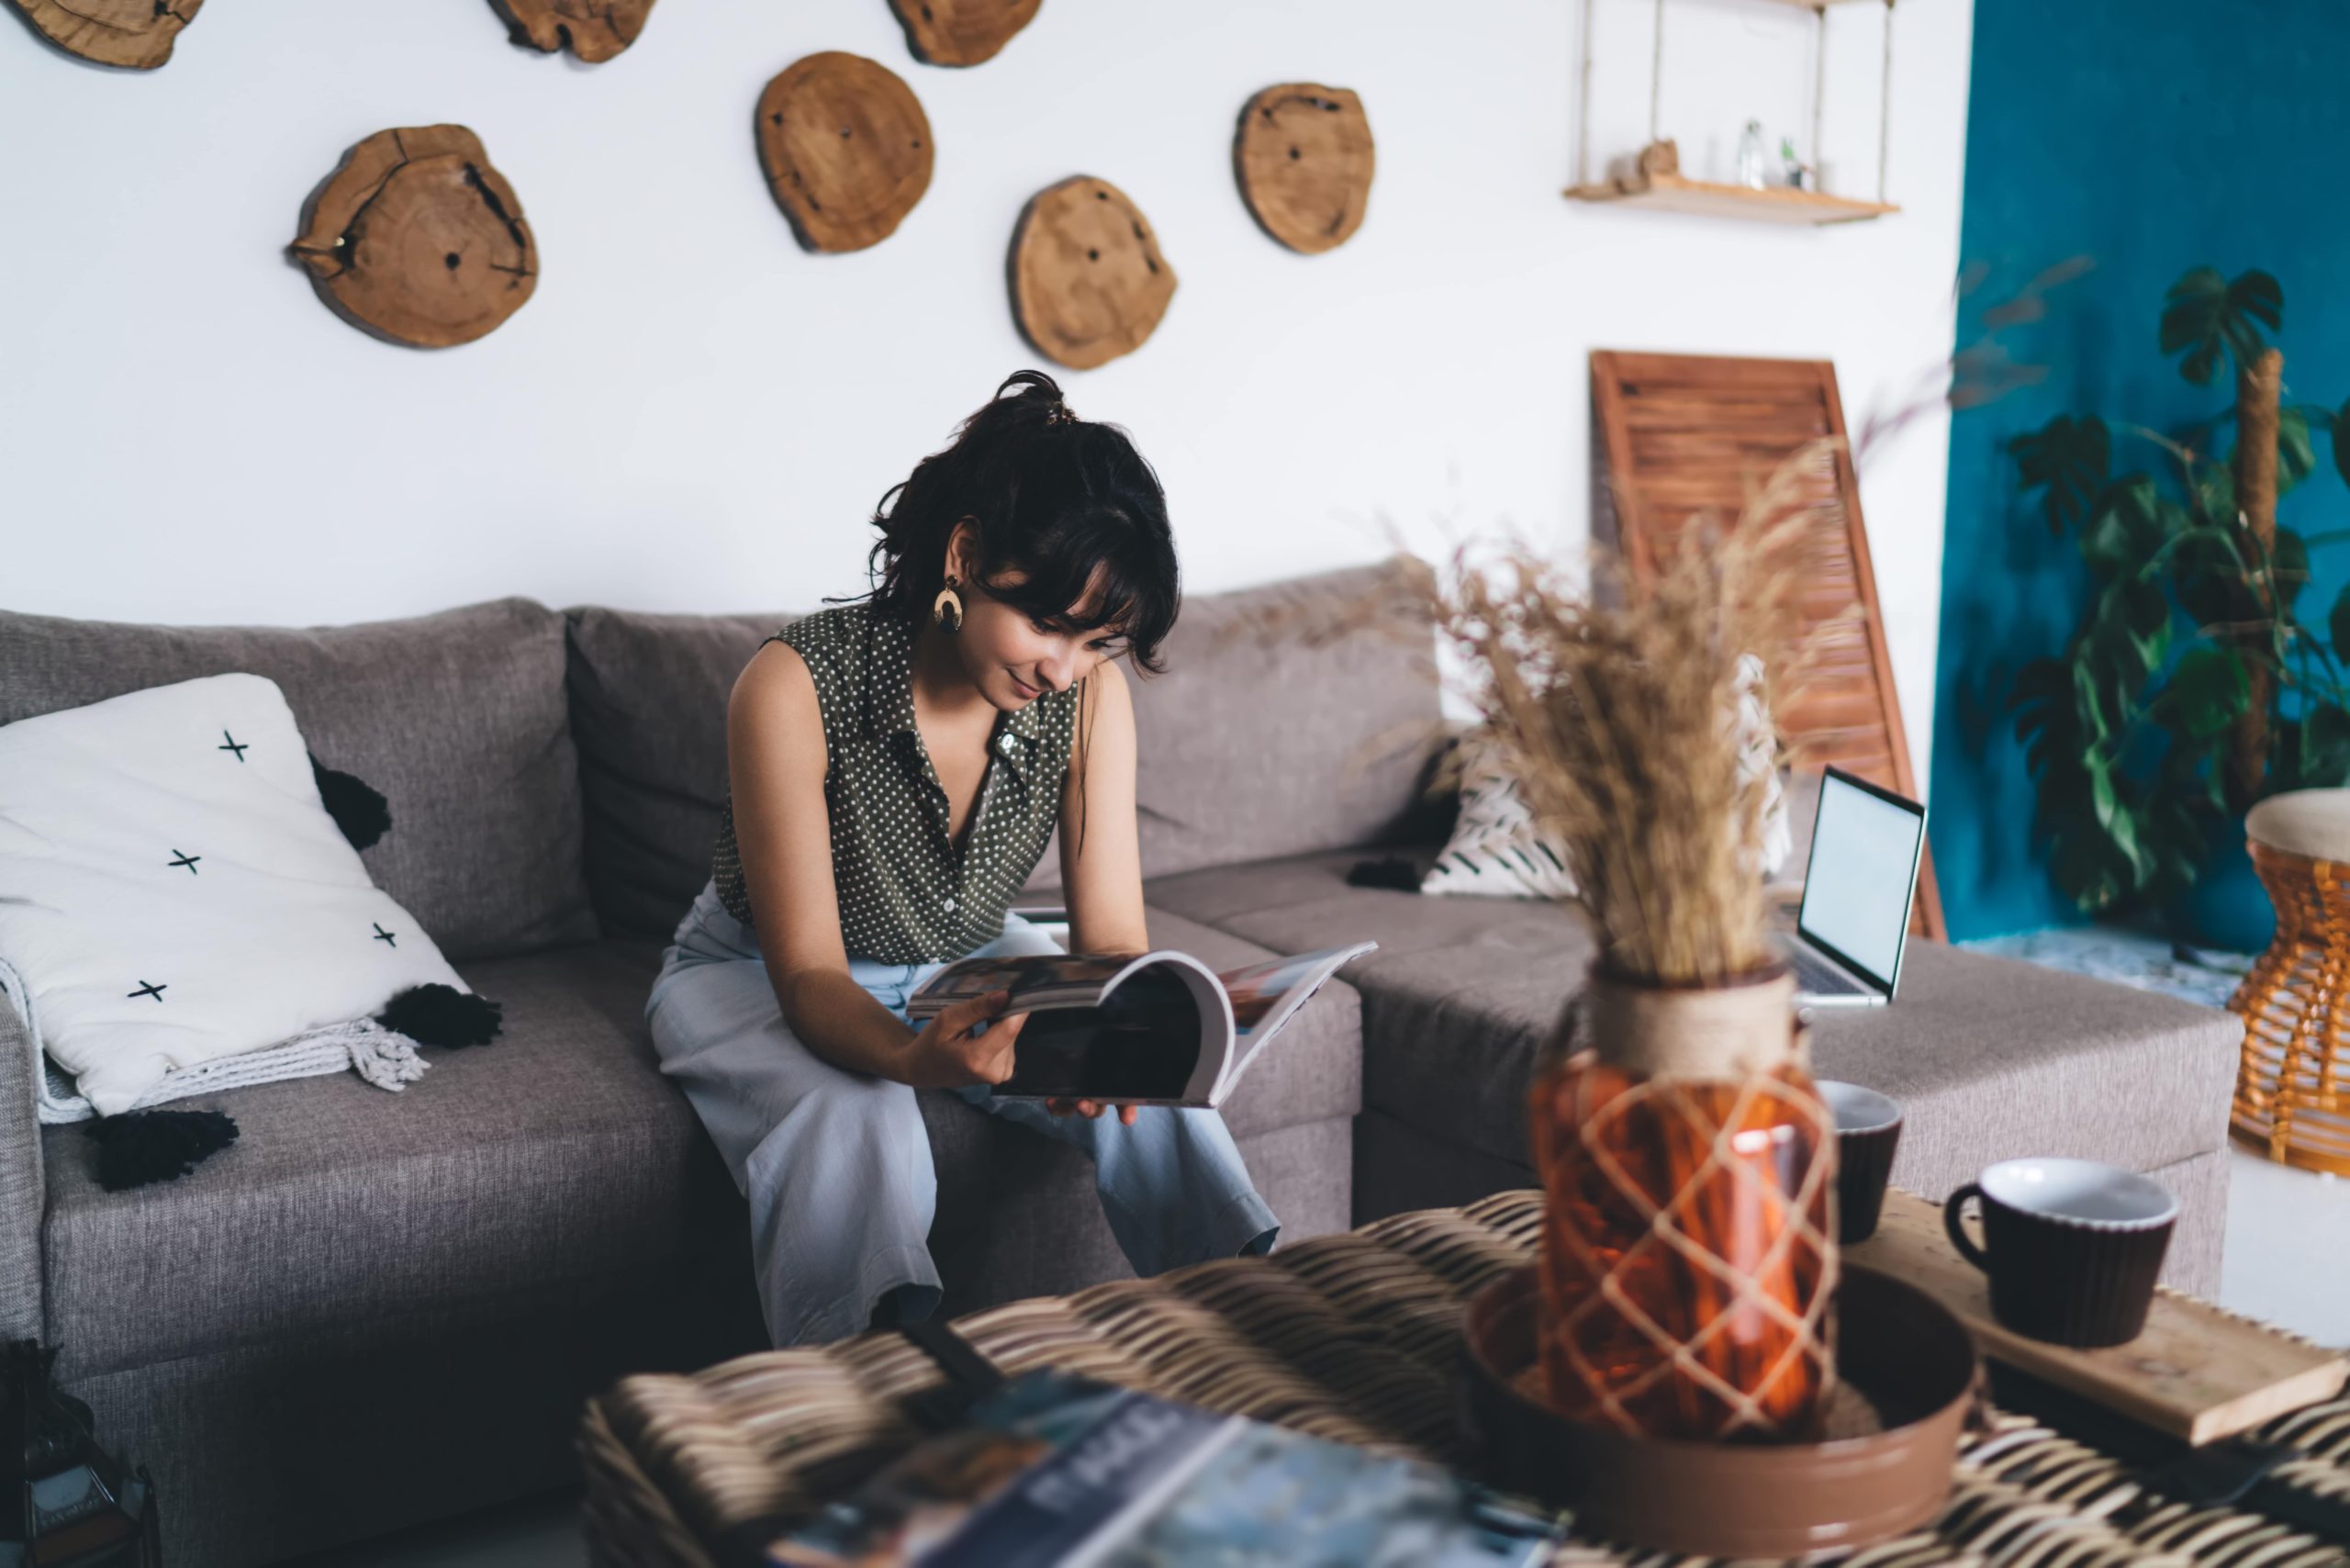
<point x="1056" y="1471"/>
<point x="1162" y="1029"/>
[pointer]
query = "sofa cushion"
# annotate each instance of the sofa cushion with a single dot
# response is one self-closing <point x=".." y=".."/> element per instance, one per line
<point x="1296" y="716"/>
<point x="648" y="709"/>
<point x="457" y="717"/>
<point x="555" y="1153"/>
<point x="1991" y="1057"/>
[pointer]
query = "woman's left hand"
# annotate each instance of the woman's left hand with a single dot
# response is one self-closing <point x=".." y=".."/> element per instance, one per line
<point x="1090" y="1109"/>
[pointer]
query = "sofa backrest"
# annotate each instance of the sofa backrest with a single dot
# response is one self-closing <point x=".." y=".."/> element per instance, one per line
<point x="1294" y="717"/>
<point x="459" y="718"/>
<point x="648" y="708"/>
<point x="1265" y="737"/>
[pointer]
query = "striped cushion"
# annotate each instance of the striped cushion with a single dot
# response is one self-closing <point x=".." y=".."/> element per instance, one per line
<point x="1498" y="849"/>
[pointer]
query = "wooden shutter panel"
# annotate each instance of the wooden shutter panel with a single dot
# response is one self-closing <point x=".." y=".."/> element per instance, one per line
<point x="1687" y="435"/>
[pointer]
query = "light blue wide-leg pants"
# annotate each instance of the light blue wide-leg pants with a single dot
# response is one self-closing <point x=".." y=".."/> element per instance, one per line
<point x="836" y="1165"/>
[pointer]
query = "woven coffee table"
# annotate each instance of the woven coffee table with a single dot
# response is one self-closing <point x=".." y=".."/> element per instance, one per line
<point x="1353" y="1337"/>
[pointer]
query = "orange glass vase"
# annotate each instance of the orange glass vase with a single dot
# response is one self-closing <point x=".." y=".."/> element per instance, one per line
<point x="1688" y="1251"/>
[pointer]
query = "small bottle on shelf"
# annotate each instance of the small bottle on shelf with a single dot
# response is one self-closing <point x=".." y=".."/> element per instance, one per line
<point x="1751" y="156"/>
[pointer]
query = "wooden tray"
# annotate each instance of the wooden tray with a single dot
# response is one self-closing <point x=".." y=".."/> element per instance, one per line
<point x="2197" y="1372"/>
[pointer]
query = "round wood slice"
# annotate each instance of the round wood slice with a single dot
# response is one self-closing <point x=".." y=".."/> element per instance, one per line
<point x="1088" y="283"/>
<point x="1303" y="153"/>
<point x="594" y="30"/>
<point x="961" y="32"/>
<point x="847" y="150"/>
<point x="416" y="238"/>
<point x="137" y="33"/>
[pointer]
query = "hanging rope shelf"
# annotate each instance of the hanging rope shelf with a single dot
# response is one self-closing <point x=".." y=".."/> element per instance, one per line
<point x="1656" y="181"/>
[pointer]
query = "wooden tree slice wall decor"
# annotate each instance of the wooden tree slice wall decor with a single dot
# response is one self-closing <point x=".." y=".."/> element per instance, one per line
<point x="416" y="238"/>
<point x="1689" y="435"/>
<point x="1303" y="157"/>
<point x="134" y="33"/>
<point x="847" y="150"/>
<point x="1088" y="283"/>
<point x="961" y="32"/>
<point x="594" y="30"/>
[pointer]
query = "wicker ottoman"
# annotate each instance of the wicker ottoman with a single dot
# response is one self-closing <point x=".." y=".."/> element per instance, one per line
<point x="2292" y="1098"/>
<point x="1353" y="1337"/>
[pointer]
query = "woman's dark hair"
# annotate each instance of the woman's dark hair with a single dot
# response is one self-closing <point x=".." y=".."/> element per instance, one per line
<point x="1067" y="502"/>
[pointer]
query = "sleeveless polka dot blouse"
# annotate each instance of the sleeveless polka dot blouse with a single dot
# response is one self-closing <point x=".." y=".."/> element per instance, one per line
<point x="907" y="894"/>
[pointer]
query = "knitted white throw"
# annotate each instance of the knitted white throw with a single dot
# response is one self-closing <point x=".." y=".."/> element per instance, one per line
<point x="385" y="1059"/>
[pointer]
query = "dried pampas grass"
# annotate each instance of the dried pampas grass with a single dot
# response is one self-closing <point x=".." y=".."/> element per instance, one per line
<point x="1617" y="703"/>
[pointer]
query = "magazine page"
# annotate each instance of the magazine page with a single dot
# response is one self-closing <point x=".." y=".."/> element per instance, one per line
<point x="1036" y="980"/>
<point x="1162" y="1036"/>
<point x="1264" y="995"/>
<point x="1057" y="1469"/>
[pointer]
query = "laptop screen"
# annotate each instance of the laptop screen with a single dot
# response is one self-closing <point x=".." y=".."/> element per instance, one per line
<point x="1864" y="850"/>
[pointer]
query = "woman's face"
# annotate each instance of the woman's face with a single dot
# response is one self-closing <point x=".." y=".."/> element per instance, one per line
<point x="1013" y="659"/>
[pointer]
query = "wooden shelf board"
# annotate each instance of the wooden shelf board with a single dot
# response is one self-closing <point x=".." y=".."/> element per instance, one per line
<point x="1671" y="193"/>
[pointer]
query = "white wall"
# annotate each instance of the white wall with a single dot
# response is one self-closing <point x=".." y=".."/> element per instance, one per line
<point x="693" y="413"/>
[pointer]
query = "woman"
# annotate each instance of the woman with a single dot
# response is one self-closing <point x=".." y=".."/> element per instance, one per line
<point x="900" y="761"/>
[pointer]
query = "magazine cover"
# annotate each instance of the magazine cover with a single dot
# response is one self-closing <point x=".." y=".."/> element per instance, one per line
<point x="1059" y="1470"/>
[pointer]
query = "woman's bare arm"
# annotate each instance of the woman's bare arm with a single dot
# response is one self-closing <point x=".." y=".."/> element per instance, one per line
<point x="1100" y="853"/>
<point x="775" y="761"/>
<point x="1100" y="850"/>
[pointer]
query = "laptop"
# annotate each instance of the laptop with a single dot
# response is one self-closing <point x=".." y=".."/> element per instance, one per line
<point x="1858" y="886"/>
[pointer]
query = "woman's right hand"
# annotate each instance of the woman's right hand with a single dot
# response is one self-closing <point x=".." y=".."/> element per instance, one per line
<point x="968" y="1043"/>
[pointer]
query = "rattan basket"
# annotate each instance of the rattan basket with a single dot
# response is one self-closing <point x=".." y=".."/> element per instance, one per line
<point x="2292" y="1099"/>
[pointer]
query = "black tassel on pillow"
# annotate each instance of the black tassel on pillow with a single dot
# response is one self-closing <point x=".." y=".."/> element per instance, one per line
<point x="441" y="1015"/>
<point x="360" y="812"/>
<point x="1392" y="872"/>
<point x="140" y="1146"/>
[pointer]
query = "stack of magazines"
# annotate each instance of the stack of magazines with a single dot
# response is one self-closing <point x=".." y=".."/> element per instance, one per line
<point x="1060" y="1470"/>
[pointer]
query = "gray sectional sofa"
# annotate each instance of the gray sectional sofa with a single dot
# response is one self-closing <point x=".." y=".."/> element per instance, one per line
<point x="380" y="1308"/>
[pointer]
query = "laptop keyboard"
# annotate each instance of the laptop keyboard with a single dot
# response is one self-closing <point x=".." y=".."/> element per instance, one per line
<point x="1817" y="975"/>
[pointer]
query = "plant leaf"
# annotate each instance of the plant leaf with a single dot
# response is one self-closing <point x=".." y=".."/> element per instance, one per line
<point x="2290" y="565"/>
<point x="2207" y="692"/>
<point x="2256" y="296"/>
<point x="2326" y="750"/>
<point x="2296" y="451"/>
<point x="2126" y="527"/>
<point x="2071" y="458"/>
<point x="2214" y="488"/>
<point x="2338" y="624"/>
<point x="2205" y="316"/>
<point x="2191" y="322"/>
<point x="2204" y="572"/>
<point x="2144" y="611"/>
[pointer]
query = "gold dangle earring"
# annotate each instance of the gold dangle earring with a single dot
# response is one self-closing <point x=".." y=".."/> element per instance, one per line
<point x="947" y="607"/>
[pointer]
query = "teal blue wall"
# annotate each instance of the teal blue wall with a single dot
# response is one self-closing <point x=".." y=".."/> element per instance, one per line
<point x="2150" y="136"/>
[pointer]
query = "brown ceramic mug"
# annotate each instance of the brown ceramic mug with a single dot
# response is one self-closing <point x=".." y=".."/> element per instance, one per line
<point x="2072" y="1246"/>
<point x="1868" y="1129"/>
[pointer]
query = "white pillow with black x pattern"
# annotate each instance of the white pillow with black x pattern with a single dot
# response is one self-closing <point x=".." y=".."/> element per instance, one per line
<point x="174" y="891"/>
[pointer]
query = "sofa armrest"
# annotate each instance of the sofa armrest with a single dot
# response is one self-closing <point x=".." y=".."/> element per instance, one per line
<point x="23" y="1191"/>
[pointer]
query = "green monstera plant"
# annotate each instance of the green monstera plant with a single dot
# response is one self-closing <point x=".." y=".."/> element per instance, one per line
<point x="2191" y="687"/>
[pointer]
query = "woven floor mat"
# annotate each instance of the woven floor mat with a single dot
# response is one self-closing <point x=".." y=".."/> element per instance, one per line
<point x="1354" y="1338"/>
